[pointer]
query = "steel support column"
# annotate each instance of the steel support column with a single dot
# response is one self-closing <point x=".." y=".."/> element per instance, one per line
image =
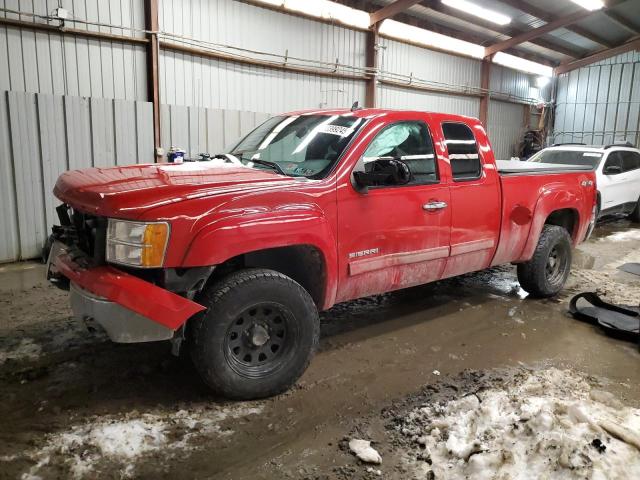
<point x="485" y="75"/>
<point x="153" y="53"/>
<point x="372" y="63"/>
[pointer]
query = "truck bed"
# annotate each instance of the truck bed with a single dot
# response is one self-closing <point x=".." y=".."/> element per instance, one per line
<point x="516" y="167"/>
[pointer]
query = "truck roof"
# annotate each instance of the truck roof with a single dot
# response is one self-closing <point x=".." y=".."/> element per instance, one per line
<point x="377" y="112"/>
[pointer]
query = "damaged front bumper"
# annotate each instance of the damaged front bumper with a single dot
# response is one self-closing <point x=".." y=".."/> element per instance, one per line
<point x="128" y="308"/>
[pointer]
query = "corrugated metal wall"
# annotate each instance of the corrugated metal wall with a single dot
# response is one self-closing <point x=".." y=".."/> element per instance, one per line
<point x="42" y="62"/>
<point x="196" y="81"/>
<point x="426" y="64"/>
<point x="506" y="124"/>
<point x="85" y="101"/>
<point x="600" y="103"/>
<point x="190" y="80"/>
<point x="394" y="97"/>
<point x="43" y="135"/>
<point x="199" y="130"/>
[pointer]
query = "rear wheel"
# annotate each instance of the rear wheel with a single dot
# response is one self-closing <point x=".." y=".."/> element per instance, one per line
<point x="547" y="271"/>
<point x="257" y="335"/>
<point x="635" y="215"/>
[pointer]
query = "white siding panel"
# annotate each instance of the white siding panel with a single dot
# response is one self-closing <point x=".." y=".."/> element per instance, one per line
<point x="239" y="24"/>
<point x="25" y="144"/>
<point x="505" y="128"/>
<point x="400" y="98"/>
<point x="43" y="62"/>
<point x="9" y="239"/>
<point x="225" y="85"/>
<point x="43" y="135"/>
<point x="600" y="103"/>
<point x="404" y="59"/>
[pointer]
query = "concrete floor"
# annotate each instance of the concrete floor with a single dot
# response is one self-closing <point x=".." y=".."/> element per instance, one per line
<point x="57" y="380"/>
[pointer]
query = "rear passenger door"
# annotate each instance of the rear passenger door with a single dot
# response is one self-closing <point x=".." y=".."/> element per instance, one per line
<point x="475" y="199"/>
<point x="613" y="183"/>
<point x="631" y="175"/>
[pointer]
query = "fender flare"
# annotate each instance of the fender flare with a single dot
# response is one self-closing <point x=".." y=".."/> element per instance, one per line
<point x="231" y="236"/>
<point x="548" y="202"/>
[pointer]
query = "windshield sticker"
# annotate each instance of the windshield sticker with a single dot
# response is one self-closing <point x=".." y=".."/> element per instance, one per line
<point x="591" y="154"/>
<point x="335" y="130"/>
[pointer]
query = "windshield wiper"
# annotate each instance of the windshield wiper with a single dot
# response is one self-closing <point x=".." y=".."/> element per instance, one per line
<point x="269" y="164"/>
<point x="228" y="157"/>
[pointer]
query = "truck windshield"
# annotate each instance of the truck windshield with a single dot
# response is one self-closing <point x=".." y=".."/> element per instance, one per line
<point x="568" y="157"/>
<point x="299" y="145"/>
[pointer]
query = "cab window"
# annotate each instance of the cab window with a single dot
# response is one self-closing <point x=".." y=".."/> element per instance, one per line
<point x="409" y="142"/>
<point x="613" y="160"/>
<point x="630" y="161"/>
<point x="463" y="151"/>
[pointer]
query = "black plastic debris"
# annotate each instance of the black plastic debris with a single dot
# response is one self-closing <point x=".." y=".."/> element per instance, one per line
<point x="598" y="445"/>
<point x="619" y="321"/>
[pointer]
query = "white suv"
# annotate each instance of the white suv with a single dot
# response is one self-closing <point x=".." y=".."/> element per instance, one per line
<point x="617" y="169"/>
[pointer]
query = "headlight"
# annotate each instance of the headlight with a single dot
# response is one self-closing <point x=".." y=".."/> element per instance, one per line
<point x="136" y="243"/>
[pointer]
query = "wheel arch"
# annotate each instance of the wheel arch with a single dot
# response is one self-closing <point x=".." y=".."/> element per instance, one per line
<point x="304" y="263"/>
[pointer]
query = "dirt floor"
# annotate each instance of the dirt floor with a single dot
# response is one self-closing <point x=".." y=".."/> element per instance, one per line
<point x="72" y="404"/>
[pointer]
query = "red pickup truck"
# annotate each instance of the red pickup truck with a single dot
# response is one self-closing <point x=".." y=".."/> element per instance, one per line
<point x="234" y="256"/>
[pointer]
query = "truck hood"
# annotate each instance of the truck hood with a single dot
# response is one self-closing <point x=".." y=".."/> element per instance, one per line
<point x="127" y="192"/>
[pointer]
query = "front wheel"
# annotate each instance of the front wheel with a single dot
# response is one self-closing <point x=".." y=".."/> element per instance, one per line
<point x="547" y="271"/>
<point x="257" y="336"/>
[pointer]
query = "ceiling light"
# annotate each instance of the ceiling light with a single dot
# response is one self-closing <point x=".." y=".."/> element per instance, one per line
<point x="590" y="4"/>
<point x="542" y="82"/>
<point x="518" y="63"/>
<point x="424" y="37"/>
<point x="478" y="11"/>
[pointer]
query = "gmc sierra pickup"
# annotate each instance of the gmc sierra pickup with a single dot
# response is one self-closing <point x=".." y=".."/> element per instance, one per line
<point x="234" y="257"/>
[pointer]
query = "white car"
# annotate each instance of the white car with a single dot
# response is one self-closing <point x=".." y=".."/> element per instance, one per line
<point x="617" y="173"/>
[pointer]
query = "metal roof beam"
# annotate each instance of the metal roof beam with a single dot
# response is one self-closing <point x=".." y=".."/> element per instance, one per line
<point x="633" y="44"/>
<point x="509" y="31"/>
<point x="547" y="17"/>
<point x="536" y="32"/>
<point x="390" y="10"/>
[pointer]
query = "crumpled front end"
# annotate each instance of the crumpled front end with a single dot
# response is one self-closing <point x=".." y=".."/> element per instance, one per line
<point x="129" y="308"/>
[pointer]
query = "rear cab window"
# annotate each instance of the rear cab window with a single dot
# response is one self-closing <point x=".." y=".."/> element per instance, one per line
<point x="463" y="151"/>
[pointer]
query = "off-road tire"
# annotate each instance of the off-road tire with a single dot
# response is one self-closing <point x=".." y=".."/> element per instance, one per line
<point x="635" y="215"/>
<point x="534" y="275"/>
<point x="232" y="300"/>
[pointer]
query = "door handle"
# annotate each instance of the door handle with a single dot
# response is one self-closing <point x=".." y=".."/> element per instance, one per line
<point x="433" y="206"/>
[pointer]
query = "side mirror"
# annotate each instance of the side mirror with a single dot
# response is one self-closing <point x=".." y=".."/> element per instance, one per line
<point x="380" y="172"/>
<point x="612" y="169"/>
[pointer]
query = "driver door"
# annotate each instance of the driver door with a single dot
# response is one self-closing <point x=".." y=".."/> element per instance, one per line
<point x="394" y="236"/>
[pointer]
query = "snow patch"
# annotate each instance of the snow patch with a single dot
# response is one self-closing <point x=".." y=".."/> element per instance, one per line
<point x="116" y="442"/>
<point x="550" y="425"/>
<point x="625" y="236"/>
<point x="27" y="349"/>
<point x="364" y="451"/>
